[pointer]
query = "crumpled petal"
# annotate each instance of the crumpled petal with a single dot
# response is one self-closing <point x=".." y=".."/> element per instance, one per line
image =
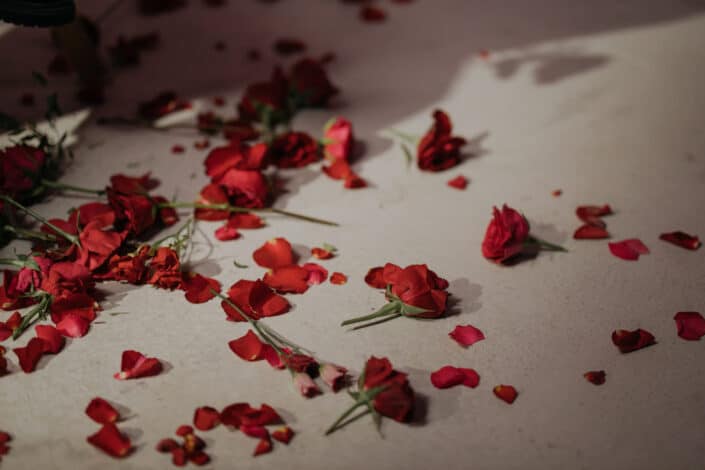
<point x="628" y="341"/>
<point x="595" y="377"/>
<point x="682" y="239"/>
<point x="590" y="232"/>
<point x="101" y="411"/>
<point x="505" y="393"/>
<point x="691" y="325"/>
<point x="136" y="365"/>
<point x="274" y="254"/>
<point x="449" y="376"/>
<point x="29" y="355"/>
<point x="206" y="418"/>
<point x="466" y="335"/>
<point x="629" y="249"/>
<point x="111" y="441"/>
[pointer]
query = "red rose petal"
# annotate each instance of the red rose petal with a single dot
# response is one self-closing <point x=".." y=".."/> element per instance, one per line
<point x="199" y="458"/>
<point x="226" y="233"/>
<point x="354" y="181"/>
<point x="338" y="278"/>
<point x="682" y="239"/>
<point x="372" y="14"/>
<point x="8" y="328"/>
<point x="206" y="418"/>
<point x="101" y="411"/>
<point x="136" y="365"/>
<point x="316" y="273"/>
<point x="264" y="446"/>
<point x="111" y="441"/>
<point x="73" y="326"/>
<point x="176" y="149"/>
<point x="556" y="192"/>
<point x="199" y="289"/>
<point x="590" y="232"/>
<point x="272" y="357"/>
<point x="245" y="220"/>
<point x="375" y="278"/>
<point x="53" y="341"/>
<point x="184" y="430"/>
<point x="628" y="341"/>
<point x="506" y="393"/>
<point x="595" y="377"/>
<point x="591" y="214"/>
<point x="321" y="253"/>
<point x="691" y="325"/>
<point x="459" y="182"/>
<point x="29" y="355"/>
<point x="259" y="432"/>
<point x="178" y="457"/>
<point x="338" y="170"/>
<point x="248" y="347"/>
<point x="167" y="445"/>
<point x="449" y="376"/>
<point x="274" y="254"/>
<point x="466" y="335"/>
<point x="283" y="434"/>
<point x="288" y="279"/>
<point x="255" y="299"/>
<point x="629" y="249"/>
<point x="239" y="414"/>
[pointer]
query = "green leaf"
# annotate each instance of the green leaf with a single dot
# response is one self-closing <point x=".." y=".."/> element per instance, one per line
<point x="407" y="153"/>
<point x="329" y="247"/>
<point x="39" y="78"/>
<point x="8" y="123"/>
<point x="241" y="266"/>
<point x="407" y="309"/>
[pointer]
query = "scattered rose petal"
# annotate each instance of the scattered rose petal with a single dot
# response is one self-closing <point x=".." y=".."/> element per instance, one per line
<point x="167" y="445"/>
<point x="590" y="232"/>
<point x="375" y="278"/>
<point x="338" y="278"/>
<point x="275" y="253"/>
<point x="238" y="414"/>
<point x="226" y="233"/>
<point x="199" y="289"/>
<point x="316" y="273"/>
<point x="101" y="411"/>
<point x="459" y="182"/>
<point x="591" y="214"/>
<point x="73" y="326"/>
<point x="264" y="446"/>
<point x="628" y="341"/>
<point x="176" y="149"/>
<point x="29" y="355"/>
<point x="248" y="347"/>
<point x="136" y="365"/>
<point x="283" y="434"/>
<point x="466" y="335"/>
<point x="206" y="418"/>
<point x="371" y="14"/>
<point x="506" y="393"/>
<point x="111" y="441"/>
<point x="288" y="279"/>
<point x="258" y="432"/>
<point x="690" y="325"/>
<point x="272" y="357"/>
<point x="449" y="376"/>
<point x="595" y="377"/>
<point x="321" y="253"/>
<point x="53" y="341"/>
<point x="255" y="299"/>
<point x="184" y="430"/>
<point x="556" y="192"/>
<point x="7" y="328"/>
<point x="682" y="239"/>
<point x="629" y="249"/>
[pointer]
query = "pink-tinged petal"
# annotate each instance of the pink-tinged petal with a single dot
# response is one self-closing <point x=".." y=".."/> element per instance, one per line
<point x="690" y="325"/>
<point x="101" y="411"/>
<point x="29" y="355"/>
<point x="590" y="232"/>
<point x="629" y="249"/>
<point x="595" y="377"/>
<point x="53" y="341"/>
<point x="449" y="376"/>
<point x="316" y="273"/>
<point x="682" y="239"/>
<point x="136" y="365"/>
<point x="459" y="182"/>
<point x="206" y="418"/>
<point x="466" y="335"/>
<point x="628" y="341"/>
<point x="111" y="441"/>
<point x="283" y="434"/>
<point x="73" y="326"/>
<point x="305" y="385"/>
<point x="333" y="376"/>
<point x="505" y="393"/>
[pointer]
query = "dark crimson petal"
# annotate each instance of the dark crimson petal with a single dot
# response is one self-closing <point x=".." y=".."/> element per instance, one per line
<point x="595" y="377"/>
<point x="206" y="418"/>
<point x="629" y="249"/>
<point x="372" y="14"/>
<point x="184" y="430"/>
<point x="628" y="341"/>
<point x="506" y="393"/>
<point x="264" y="446"/>
<point x="111" y="441"/>
<point x="167" y="445"/>
<point x="447" y="376"/>
<point x="283" y="434"/>
<point x="690" y="325"/>
<point x="53" y="341"/>
<point x="466" y="335"/>
<point x="590" y="232"/>
<point x="199" y="458"/>
<point x="377" y="370"/>
<point x="29" y="355"/>
<point x="682" y="239"/>
<point x="259" y="432"/>
<point x="274" y="254"/>
<point x="248" y="347"/>
<point x="101" y="411"/>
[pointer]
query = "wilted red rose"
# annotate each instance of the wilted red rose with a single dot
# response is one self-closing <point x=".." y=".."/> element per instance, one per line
<point x="505" y="235"/>
<point x="238" y="155"/>
<point x="438" y="150"/>
<point x="309" y="84"/>
<point x="294" y="150"/>
<point x="22" y="168"/>
<point x="396" y="401"/>
<point x="165" y="269"/>
<point x="255" y="299"/>
<point x="418" y="286"/>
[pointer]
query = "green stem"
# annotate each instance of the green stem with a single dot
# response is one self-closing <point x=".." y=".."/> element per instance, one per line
<point x="229" y="208"/>
<point x="32" y="317"/>
<point x="70" y="187"/>
<point x="544" y="245"/>
<point x="403" y="135"/>
<point x="348" y="412"/>
<point x="11" y="262"/>
<point x="392" y="308"/>
<point x="72" y="238"/>
<point x="377" y="322"/>
<point x="29" y="234"/>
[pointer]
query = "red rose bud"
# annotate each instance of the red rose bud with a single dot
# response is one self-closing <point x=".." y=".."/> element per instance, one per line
<point x="333" y="376"/>
<point x="505" y="236"/>
<point x="305" y="385"/>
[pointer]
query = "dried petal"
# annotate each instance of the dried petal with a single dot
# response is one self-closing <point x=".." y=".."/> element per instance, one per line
<point x="274" y="254"/>
<point x="101" y="411"/>
<point x="136" y="365"/>
<point x="691" y="325"/>
<point x="459" y="182"/>
<point x="590" y="232"/>
<point x="206" y="418"/>
<point x="53" y="341"/>
<point x="506" y="393"/>
<point x="682" y="239"/>
<point x="466" y="335"/>
<point x="595" y="377"/>
<point x="111" y="441"/>
<point x="628" y="341"/>
<point x="338" y="278"/>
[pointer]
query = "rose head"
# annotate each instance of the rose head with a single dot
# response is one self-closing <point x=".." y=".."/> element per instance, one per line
<point x="438" y="150"/>
<point x="265" y="102"/>
<point x="245" y="188"/>
<point x="294" y="150"/>
<point x="309" y="84"/>
<point x="506" y="234"/>
<point x="396" y="400"/>
<point x="21" y="167"/>
<point x="419" y="287"/>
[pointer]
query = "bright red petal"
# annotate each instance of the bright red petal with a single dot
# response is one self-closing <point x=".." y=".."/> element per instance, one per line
<point x="338" y="279"/>
<point x="459" y="182"/>
<point x="101" y="411"/>
<point x="111" y="441"/>
<point x="595" y="377"/>
<point x="466" y="335"/>
<point x="206" y="418"/>
<point x="316" y="273"/>
<point x="226" y="233"/>
<point x="135" y="365"/>
<point x="199" y="289"/>
<point x="682" y="239"/>
<point x="248" y="347"/>
<point x="272" y="357"/>
<point x="449" y="376"/>
<point x="73" y="326"/>
<point x="590" y="232"/>
<point x="288" y="279"/>
<point x="29" y="355"/>
<point x="283" y="434"/>
<point x="591" y="214"/>
<point x="691" y="325"/>
<point x="259" y="432"/>
<point x="53" y="341"/>
<point x="628" y="341"/>
<point x="263" y="447"/>
<point x="274" y="254"/>
<point x="506" y="393"/>
<point x="375" y="278"/>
